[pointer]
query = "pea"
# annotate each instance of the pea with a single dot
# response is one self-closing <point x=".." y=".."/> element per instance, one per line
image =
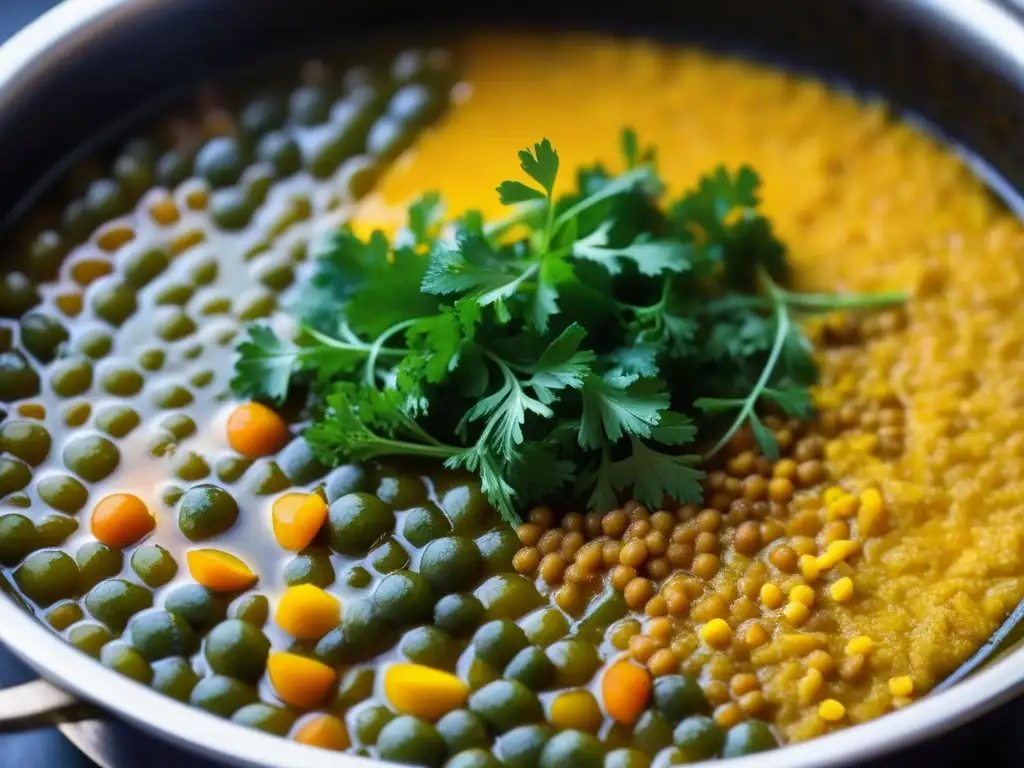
<point x="679" y="696"/>
<point x="116" y="420"/>
<point x="602" y="612"/>
<point x="388" y="557"/>
<point x="473" y="758"/>
<point x="497" y="547"/>
<point x="54" y="528"/>
<point x="202" y="378"/>
<point x="328" y="146"/>
<point x="309" y="105"/>
<point x="172" y="168"/>
<point x="45" y="256"/>
<point x="344" y="480"/>
<point x="362" y="634"/>
<point x="134" y="176"/>
<point x="221" y="161"/>
<point x="652" y="733"/>
<point x="190" y="466"/>
<point x="545" y="626"/>
<point x="458" y="614"/>
<point x="175" y="325"/>
<point x="506" y="704"/>
<point x="70" y="376"/>
<point x="18" y="380"/>
<point x="263" y="114"/>
<point x="257" y="182"/>
<point x="424" y="524"/>
<point x="575" y="662"/>
<point x="121" y="380"/>
<point x="199" y="606"/>
<point x="113" y="301"/>
<point x="96" y="562"/>
<point x="115" y="601"/>
<point x="26" y="440"/>
<point x="469" y="510"/>
<point x="152" y="359"/>
<point x="389" y="137"/>
<point x="355" y="687"/>
<point x="47" y="576"/>
<point x="169" y="395"/>
<point x="698" y="738"/>
<point x="42" y="335"/>
<point x="277" y="273"/>
<point x="298" y="462"/>
<point x="232" y="208"/>
<point x="357" y="577"/>
<point x="94" y="343"/>
<point x="627" y="758"/>
<point x="532" y="668"/>
<point x="404" y="598"/>
<point x="497" y="642"/>
<point x="222" y="695"/>
<point x="430" y="647"/>
<point x="206" y="511"/>
<point x="357" y="176"/>
<point x="580" y="750"/>
<point x="91" y="457"/>
<point x="17" y="295"/>
<point x="357" y="521"/>
<point x="450" y="564"/>
<point x="461" y="730"/>
<point x="409" y="740"/>
<point x="14" y="475"/>
<point x="174" y="677"/>
<point x="508" y="596"/>
<point x="416" y="66"/>
<point x="17" y="538"/>
<point x="312" y="566"/>
<point x="415" y="105"/>
<point x="76" y="414"/>
<point x="282" y="152"/>
<point x="237" y="649"/>
<point x="77" y="221"/>
<point x="158" y="634"/>
<point x="369" y="721"/>
<point x="105" y="200"/>
<point x="122" y="658"/>
<point x="143" y="265"/>
<point x="180" y="425"/>
<point x="19" y="500"/>
<point x="64" y="614"/>
<point x="401" y="491"/>
<point x="521" y="747"/>
<point x="154" y="565"/>
<point x="253" y="609"/>
<point x="265" y="477"/>
<point x="748" y="737"/>
<point x="255" y="305"/>
<point x="89" y="638"/>
<point x="265" y="717"/>
<point x="175" y="294"/>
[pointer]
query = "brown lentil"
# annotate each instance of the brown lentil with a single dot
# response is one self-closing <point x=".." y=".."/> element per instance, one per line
<point x="529" y="534"/>
<point x="542" y="517"/>
<point x="552" y="567"/>
<point x="658" y="568"/>
<point x="662" y="662"/>
<point x="638" y="591"/>
<point x="526" y="560"/>
<point x="614" y="523"/>
<point x="705" y="565"/>
<point x="551" y="541"/>
<point x="621" y="576"/>
<point x="633" y="554"/>
<point x="748" y="538"/>
<point x="784" y="558"/>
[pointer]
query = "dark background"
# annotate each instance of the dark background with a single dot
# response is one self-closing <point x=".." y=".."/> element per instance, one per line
<point x="996" y="740"/>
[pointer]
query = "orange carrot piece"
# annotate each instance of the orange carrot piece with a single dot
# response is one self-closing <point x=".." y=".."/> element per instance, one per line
<point x="297" y="518"/>
<point x="255" y="430"/>
<point x="302" y="682"/>
<point x="324" y="731"/>
<point x="626" y="689"/>
<point x="121" y="519"/>
<point x="220" y="571"/>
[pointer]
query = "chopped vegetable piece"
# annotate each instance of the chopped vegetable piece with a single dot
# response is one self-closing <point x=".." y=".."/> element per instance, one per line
<point x="324" y="731"/>
<point x="298" y="517"/>
<point x="255" y="430"/>
<point x="299" y="681"/>
<point x="626" y="689"/>
<point x="576" y="710"/>
<point x="121" y="519"/>
<point x="220" y="571"/>
<point x="308" y="612"/>
<point x="424" y="692"/>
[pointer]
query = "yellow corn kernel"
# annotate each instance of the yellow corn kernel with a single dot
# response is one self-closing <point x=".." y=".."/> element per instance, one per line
<point x="755" y="636"/>
<point x="860" y="646"/>
<point x="842" y="590"/>
<point x="809" y="686"/>
<point x="832" y="494"/>
<point x="771" y="596"/>
<point x="796" y="613"/>
<point x="716" y="633"/>
<point x="835" y="553"/>
<point x="809" y="567"/>
<point x="842" y="508"/>
<point x="831" y="711"/>
<point x="901" y="686"/>
<point x="796" y="646"/>
<point x="872" y="515"/>
<point x="802" y="593"/>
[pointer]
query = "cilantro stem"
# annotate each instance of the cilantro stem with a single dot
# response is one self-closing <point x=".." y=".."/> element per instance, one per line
<point x="361" y="347"/>
<point x="616" y="186"/>
<point x="522" y="212"/>
<point x="385" y="447"/>
<point x="826" y="302"/>
<point x="370" y="374"/>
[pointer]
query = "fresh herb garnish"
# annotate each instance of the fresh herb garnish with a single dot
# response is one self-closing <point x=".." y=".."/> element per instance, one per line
<point x="611" y="348"/>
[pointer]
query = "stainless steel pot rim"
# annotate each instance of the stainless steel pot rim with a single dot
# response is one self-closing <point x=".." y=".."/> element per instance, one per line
<point x="975" y="22"/>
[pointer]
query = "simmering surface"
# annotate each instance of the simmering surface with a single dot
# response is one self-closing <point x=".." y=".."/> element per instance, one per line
<point x="810" y="593"/>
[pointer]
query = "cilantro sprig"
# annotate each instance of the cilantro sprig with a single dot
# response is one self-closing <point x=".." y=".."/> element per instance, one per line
<point x="612" y="348"/>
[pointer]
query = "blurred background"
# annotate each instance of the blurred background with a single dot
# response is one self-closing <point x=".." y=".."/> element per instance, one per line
<point x="997" y="739"/>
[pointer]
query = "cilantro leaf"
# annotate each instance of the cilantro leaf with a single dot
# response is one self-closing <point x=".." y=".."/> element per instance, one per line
<point x="650" y="256"/>
<point x="390" y="294"/>
<point x="674" y="429"/>
<point x="539" y="473"/>
<point x="512" y="192"/>
<point x="505" y="413"/>
<point x="541" y="165"/>
<point x="654" y="475"/>
<point x="614" y="406"/>
<point x="598" y="478"/>
<point x="563" y="364"/>
<point x="264" y="366"/>
<point x="425" y="217"/>
<point x="638" y="359"/>
<point x="492" y="480"/>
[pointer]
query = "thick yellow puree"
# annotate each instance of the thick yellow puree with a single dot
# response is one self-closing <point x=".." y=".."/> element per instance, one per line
<point x="924" y="406"/>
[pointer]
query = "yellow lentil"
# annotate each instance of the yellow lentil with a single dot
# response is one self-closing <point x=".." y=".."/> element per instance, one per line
<point x="901" y="686"/>
<point x="860" y="646"/>
<point x="831" y="711"/>
<point x="771" y="596"/>
<point x="716" y="633"/>
<point x="842" y="589"/>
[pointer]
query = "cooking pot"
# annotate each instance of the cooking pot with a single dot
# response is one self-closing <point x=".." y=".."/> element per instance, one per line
<point x="958" y="64"/>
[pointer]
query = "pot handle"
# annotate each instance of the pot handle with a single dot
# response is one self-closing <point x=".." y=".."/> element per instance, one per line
<point x="38" y="703"/>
